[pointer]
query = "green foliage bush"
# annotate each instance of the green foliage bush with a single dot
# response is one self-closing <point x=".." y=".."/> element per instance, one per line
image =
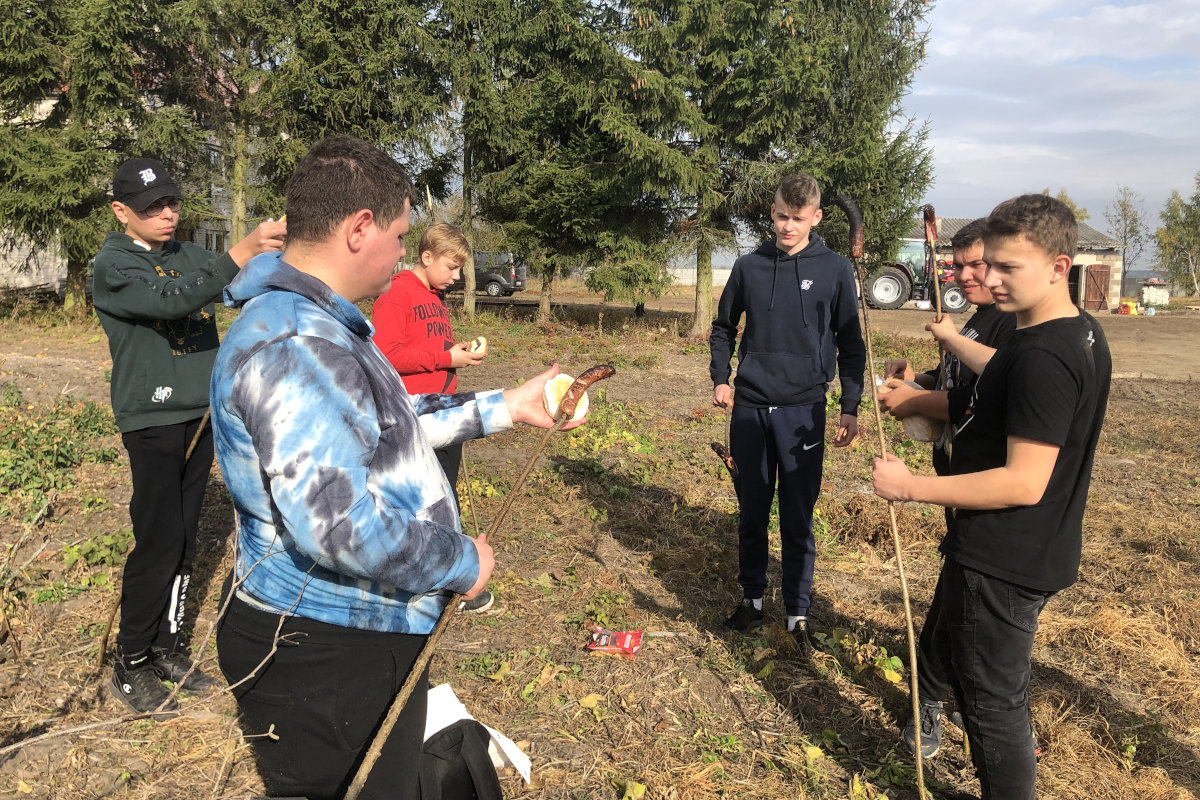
<point x="40" y="446"/>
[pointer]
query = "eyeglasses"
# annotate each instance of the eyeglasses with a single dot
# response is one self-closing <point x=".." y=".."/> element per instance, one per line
<point x="156" y="208"/>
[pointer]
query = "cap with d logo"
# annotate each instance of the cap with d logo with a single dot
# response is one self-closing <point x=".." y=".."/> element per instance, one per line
<point x="141" y="181"/>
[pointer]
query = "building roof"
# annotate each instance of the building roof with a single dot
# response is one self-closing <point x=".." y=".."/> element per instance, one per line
<point x="1089" y="237"/>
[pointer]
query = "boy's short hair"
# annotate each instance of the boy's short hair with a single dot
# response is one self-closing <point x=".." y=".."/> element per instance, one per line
<point x="799" y="191"/>
<point x="969" y="235"/>
<point x="1045" y="221"/>
<point x="442" y="238"/>
<point x="338" y="177"/>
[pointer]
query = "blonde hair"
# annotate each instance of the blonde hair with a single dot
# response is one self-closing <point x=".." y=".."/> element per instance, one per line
<point x="442" y="238"/>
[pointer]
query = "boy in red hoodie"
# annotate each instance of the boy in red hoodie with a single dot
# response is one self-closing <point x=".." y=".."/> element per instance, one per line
<point x="412" y="328"/>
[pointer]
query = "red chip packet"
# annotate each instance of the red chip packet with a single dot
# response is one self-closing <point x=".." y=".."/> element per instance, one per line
<point x="624" y="643"/>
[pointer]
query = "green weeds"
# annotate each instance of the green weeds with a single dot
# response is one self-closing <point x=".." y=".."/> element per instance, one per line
<point x="40" y="446"/>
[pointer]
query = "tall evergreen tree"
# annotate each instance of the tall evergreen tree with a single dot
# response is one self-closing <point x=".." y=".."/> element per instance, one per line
<point x="360" y="67"/>
<point x="785" y="86"/>
<point x="575" y="159"/>
<point x="78" y="97"/>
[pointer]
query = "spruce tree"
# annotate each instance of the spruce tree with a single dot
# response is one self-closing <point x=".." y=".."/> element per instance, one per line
<point x="781" y="87"/>
<point x="79" y="97"/>
<point x="575" y="159"/>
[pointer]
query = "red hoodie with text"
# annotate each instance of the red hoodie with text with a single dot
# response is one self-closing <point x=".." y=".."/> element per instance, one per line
<point x="412" y="328"/>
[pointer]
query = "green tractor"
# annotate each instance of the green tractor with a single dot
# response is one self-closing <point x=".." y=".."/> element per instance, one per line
<point x="908" y="278"/>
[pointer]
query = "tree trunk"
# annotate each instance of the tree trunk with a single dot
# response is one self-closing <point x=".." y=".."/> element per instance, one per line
<point x="702" y="321"/>
<point x="238" y="189"/>
<point x="75" y="297"/>
<point x="548" y="273"/>
<point x="468" y="214"/>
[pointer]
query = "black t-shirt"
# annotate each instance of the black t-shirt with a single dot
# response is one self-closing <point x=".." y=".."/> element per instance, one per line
<point x="988" y="325"/>
<point x="1048" y="383"/>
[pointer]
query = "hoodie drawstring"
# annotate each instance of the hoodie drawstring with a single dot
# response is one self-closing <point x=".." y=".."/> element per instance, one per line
<point x="800" y="291"/>
<point x="774" y="276"/>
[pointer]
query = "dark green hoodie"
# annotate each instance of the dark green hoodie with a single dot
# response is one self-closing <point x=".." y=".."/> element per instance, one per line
<point x="157" y="309"/>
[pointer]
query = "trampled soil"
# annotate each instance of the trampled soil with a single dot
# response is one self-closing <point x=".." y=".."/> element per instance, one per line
<point x="630" y="522"/>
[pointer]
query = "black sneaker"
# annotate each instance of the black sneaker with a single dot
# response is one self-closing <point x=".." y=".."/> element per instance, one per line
<point x="141" y="690"/>
<point x="799" y="635"/>
<point x="478" y="604"/>
<point x="931" y="731"/>
<point x="745" y="617"/>
<point x="173" y="666"/>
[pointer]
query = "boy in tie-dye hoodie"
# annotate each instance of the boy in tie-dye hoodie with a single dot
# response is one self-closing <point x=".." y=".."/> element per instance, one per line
<point x="347" y="529"/>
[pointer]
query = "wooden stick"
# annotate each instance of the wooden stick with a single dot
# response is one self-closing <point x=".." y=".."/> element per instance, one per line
<point x="856" y="251"/>
<point x="931" y="240"/>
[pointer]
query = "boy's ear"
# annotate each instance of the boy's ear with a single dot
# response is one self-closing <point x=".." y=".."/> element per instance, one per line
<point x="121" y="212"/>
<point x="1061" y="268"/>
<point x="357" y="227"/>
<point x="818" y="215"/>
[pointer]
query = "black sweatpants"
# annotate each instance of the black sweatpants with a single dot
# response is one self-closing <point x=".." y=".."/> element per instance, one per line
<point x="983" y="628"/>
<point x="323" y="694"/>
<point x="168" y="493"/>
<point x="788" y="442"/>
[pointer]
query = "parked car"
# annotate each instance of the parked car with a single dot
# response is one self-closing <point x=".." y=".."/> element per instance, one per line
<point x="496" y="275"/>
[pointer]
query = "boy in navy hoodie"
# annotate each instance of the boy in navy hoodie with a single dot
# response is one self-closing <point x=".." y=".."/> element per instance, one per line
<point x="801" y="322"/>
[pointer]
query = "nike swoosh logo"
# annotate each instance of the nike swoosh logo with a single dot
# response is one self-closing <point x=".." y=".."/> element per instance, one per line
<point x="810" y="446"/>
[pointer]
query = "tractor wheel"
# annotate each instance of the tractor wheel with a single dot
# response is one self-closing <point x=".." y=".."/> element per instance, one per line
<point x="953" y="299"/>
<point x="887" y="288"/>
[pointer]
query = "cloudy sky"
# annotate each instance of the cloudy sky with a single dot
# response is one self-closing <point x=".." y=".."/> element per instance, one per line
<point x="1060" y="93"/>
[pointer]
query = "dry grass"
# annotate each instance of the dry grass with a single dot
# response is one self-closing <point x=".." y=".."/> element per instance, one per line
<point x="631" y="522"/>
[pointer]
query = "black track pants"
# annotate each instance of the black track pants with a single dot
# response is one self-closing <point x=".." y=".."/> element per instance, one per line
<point x="787" y="442"/>
<point x="168" y="493"/>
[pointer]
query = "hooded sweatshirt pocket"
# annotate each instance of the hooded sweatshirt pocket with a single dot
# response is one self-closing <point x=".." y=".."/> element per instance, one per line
<point x="779" y="378"/>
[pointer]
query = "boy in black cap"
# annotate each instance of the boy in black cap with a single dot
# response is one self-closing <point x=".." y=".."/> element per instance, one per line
<point x="154" y="297"/>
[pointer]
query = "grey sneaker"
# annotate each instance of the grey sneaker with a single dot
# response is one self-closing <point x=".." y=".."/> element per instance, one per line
<point x="931" y="730"/>
<point x="478" y="604"/>
<point x="141" y="690"/>
<point x="745" y="617"/>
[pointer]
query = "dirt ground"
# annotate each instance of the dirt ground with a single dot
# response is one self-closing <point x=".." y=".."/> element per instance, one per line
<point x="631" y="522"/>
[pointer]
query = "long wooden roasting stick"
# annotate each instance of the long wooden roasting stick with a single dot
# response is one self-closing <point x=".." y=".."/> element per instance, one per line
<point x="566" y="409"/>
<point x="931" y="240"/>
<point x="856" y="251"/>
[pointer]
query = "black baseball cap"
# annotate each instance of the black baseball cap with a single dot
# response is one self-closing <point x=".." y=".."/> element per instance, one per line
<point x="141" y="181"/>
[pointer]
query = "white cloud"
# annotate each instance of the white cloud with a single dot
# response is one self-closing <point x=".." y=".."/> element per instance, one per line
<point x="1060" y="93"/>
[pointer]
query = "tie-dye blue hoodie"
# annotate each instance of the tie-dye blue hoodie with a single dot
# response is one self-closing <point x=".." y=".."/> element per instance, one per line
<point x="344" y="515"/>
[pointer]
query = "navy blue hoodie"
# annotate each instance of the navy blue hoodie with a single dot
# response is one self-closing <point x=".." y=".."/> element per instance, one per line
<point x="801" y="321"/>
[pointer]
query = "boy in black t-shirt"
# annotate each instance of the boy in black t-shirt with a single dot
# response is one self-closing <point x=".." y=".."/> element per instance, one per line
<point x="1024" y="442"/>
<point x="977" y="341"/>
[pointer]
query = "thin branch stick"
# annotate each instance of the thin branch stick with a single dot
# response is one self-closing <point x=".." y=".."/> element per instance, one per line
<point x="856" y="244"/>
<point x="202" y="701"/>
